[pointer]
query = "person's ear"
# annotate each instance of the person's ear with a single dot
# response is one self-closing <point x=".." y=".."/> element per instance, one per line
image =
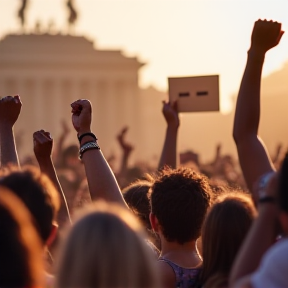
<point x="283" y="218"/>
<point x="53" y="234"/>
<point x="154" y="222"/>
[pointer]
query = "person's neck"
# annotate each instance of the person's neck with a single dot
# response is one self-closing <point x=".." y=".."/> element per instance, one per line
<point x="185" y="255"/>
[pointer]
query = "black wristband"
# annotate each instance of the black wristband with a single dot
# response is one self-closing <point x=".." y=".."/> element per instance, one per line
<point x="87" y="134"/>
<point x="267" y="199"/>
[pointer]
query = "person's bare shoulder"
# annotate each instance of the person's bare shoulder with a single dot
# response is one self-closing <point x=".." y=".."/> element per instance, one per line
<point x="167" y="275"/>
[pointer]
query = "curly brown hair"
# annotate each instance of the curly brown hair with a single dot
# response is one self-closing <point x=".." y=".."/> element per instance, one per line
<point x="179" y="199"/>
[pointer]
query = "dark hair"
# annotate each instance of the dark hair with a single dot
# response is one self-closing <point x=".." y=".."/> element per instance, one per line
<point x="12" y="250"/>
<point x="71" y="150"/>
<point x="179" y="200"/>
<point x="223" y="232"/>
<point x="136" y="197"/>
<point x="283" y="185"/>
<point x="20" y="248"/>
<point x="37" y="193"/>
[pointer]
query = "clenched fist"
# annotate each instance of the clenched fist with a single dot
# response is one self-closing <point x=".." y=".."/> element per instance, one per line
<point x="265" y="35"/>
<point x="43" y="144"/>
<point x="82" y="116"/>
<point x="10" y="108"/>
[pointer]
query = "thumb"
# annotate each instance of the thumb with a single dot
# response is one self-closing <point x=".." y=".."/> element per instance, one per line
<point x="280" y="36"/>
<point x="17" y="98"/>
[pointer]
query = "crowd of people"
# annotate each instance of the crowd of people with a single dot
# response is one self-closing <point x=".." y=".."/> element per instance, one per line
<point x="185" y="224"/>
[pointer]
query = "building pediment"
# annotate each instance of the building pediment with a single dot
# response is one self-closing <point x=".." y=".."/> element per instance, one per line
<point x="33" y="49"/>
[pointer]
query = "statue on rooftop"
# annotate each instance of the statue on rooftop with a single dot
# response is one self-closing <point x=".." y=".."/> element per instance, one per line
<point x="73" y="13"/>
<point x="21" y="12"/>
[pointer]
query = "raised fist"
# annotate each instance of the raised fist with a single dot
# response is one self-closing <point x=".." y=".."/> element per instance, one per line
<point x="265" y="35"/>
<point x="43" y="144"/>
<point x="82" y="116"/>
<point x="170" y="113"/>
<point x="10" y="108"/>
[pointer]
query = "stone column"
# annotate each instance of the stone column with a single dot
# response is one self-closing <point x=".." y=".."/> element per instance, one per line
<point x="101" y="122"/>
<point x="38" y="102"/>
<point x="111" y="112"/>
<point x="134" y="111"/>
<point x="68" y="93"/>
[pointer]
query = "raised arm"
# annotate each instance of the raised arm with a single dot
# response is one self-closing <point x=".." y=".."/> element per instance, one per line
<point x="43" y="146"/>
<point x="10" y="108"/>
<point x="57" y="153"/>
<point x="101" y="180"/>
<point x="169" y="152"/>
<point x="253" y="157"/>
<point x="126" y="148"/>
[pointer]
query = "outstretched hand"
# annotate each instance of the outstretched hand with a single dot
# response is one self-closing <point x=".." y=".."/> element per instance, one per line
<point x="82" y="116"/>
<point x="43" y="144"/>
<point x="170" y="112"/>
<point x="126" y="147"/>
<point x="65" y="127"/>
<point x="10" y="108"/>
<point x="266" y="35"/>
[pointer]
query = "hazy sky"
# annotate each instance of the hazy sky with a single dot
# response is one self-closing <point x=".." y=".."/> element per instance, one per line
<point x="174" y="37"/>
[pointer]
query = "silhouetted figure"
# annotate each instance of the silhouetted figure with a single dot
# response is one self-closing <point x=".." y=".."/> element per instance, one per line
<point x="73" y="14"/>
<point x="21" y="12"/>
<point x="37" y="28"/>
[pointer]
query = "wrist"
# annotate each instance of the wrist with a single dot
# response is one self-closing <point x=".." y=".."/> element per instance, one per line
<point x="83" y="130"/>
<point x="44" y="160"/>
<point x="6" y="125"/>
<point x="172" y="126"/>
<point x="257" y="54"/>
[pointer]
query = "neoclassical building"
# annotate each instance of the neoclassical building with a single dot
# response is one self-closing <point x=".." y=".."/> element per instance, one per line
<point x="51" y="71"/>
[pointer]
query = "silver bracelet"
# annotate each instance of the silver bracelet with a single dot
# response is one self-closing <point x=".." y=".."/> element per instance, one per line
<point x="88" y="146"/>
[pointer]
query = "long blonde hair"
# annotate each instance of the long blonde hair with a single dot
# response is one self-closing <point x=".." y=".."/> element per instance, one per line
<point x="105" y="248"/>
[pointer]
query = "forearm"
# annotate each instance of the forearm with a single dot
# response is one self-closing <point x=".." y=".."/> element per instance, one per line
<point x="47" y="167"/>
<point x="8" y="146"/>
<point x="169" y="152"/>
<point x="57" y="152"/>
<point x="101" y="180"/>
<point x="260" y="237"/>
<point x="124" y="164"/>
<point x="247" y="114"/>
<point x="253" y="157"/>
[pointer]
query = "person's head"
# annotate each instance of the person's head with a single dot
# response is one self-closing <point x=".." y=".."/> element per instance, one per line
<point x="38" y="194"/>
<point x="283" y="194"/>
<point x="136" y="196"/>
<point x="105" y="248"/>
<point x="223" y="232"/>
<point x="70" y="156"/>
<point x="179" y="201"/>
<point x="20" y="246"/>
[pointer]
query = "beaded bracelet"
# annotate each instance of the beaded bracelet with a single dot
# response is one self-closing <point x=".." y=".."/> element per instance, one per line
<point x="88" y="146"/>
